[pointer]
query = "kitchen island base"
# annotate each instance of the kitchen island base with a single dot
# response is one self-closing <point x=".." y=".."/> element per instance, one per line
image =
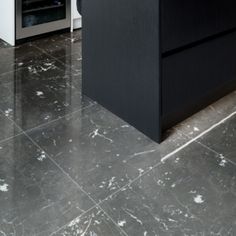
<point x="154" y="63"/>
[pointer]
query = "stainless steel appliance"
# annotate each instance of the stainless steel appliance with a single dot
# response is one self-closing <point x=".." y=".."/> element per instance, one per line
<point x="34" y="17"/>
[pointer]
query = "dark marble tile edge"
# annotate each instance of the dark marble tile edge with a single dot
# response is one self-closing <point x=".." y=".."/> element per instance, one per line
<point x="95" y="207"/>
<point x="48" y="54"/>
<point x="49" y="122"/>
<point x="214" y="151"/>
<point x="212" y="127"/>
<point x="207" y="130"/>
<point x="113" y="221"/>
<point x="12" y="137"/>
<point x="22" y="67"/>
<point x="52" y="57"/>
<point x="221" y="122"/>
<point x="58" y="59"/>
<point x="81" y="215"/>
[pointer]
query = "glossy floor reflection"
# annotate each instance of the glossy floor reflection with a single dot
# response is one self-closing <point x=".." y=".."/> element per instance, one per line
<point x="70" y="167"/>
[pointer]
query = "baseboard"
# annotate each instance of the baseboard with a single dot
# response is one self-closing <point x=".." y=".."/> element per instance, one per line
<point x="77" y="24"/>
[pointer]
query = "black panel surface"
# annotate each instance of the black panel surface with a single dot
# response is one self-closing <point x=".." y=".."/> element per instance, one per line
<point x="187" y="21"/>
<point x="131" y="65"/>
<point x="195" y="76"/>
<point x="121" y="59"/>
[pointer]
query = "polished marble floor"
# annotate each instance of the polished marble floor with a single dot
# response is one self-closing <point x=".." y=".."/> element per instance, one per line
<point x="69" y="167"/>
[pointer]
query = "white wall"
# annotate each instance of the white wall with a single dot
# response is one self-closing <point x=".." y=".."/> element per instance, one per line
<point x="7" y="21"/>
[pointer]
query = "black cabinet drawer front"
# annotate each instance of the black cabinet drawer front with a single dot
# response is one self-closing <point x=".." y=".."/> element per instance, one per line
<point x="196" y="74"/>
<point x="188" y="21"/>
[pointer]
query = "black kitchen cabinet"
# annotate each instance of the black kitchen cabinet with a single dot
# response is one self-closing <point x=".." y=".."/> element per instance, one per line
<point x="155" y="62"/>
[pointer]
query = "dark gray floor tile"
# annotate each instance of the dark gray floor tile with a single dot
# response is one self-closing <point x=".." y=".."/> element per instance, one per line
<point x="222" y="139"/>
<point x="40" y="93"/>
<point x="35" y="197"/>
<point x="73" y="61"/>
<point x="93" y="223"/>
<point x="226" y="105"/>
<point x="192" y="193"/>
<point x="100" y="151"/>
<point x="199" y="122"/>
<point x="146" y="157"/>
<point x="7" y="128"/>
<point x="209" y="116"/>
<point x="24" y="55"/>
<point x="59" y="46"/>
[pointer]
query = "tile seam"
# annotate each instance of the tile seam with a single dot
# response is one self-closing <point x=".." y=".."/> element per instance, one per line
<point x="197" y="137"/>
<point x="47" y="123"/>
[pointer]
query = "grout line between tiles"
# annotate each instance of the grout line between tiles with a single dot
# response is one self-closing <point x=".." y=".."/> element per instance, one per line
<point x="44" y="124"/>
<point x="81" y="215"/>
<point x="197" y="137"/>
<point x="57" y="59"/>
<point x="11" y="137"/>
<point x="59" y="118"/>
<point x="212" y="150"/>
<point x="207" y="147"/>
<point x="54" y="120"/>
<point x="26" y="66"/>
<point x="113" y="221"/>
<point x="45" y="52"/>
<point x="130" y="182"/>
